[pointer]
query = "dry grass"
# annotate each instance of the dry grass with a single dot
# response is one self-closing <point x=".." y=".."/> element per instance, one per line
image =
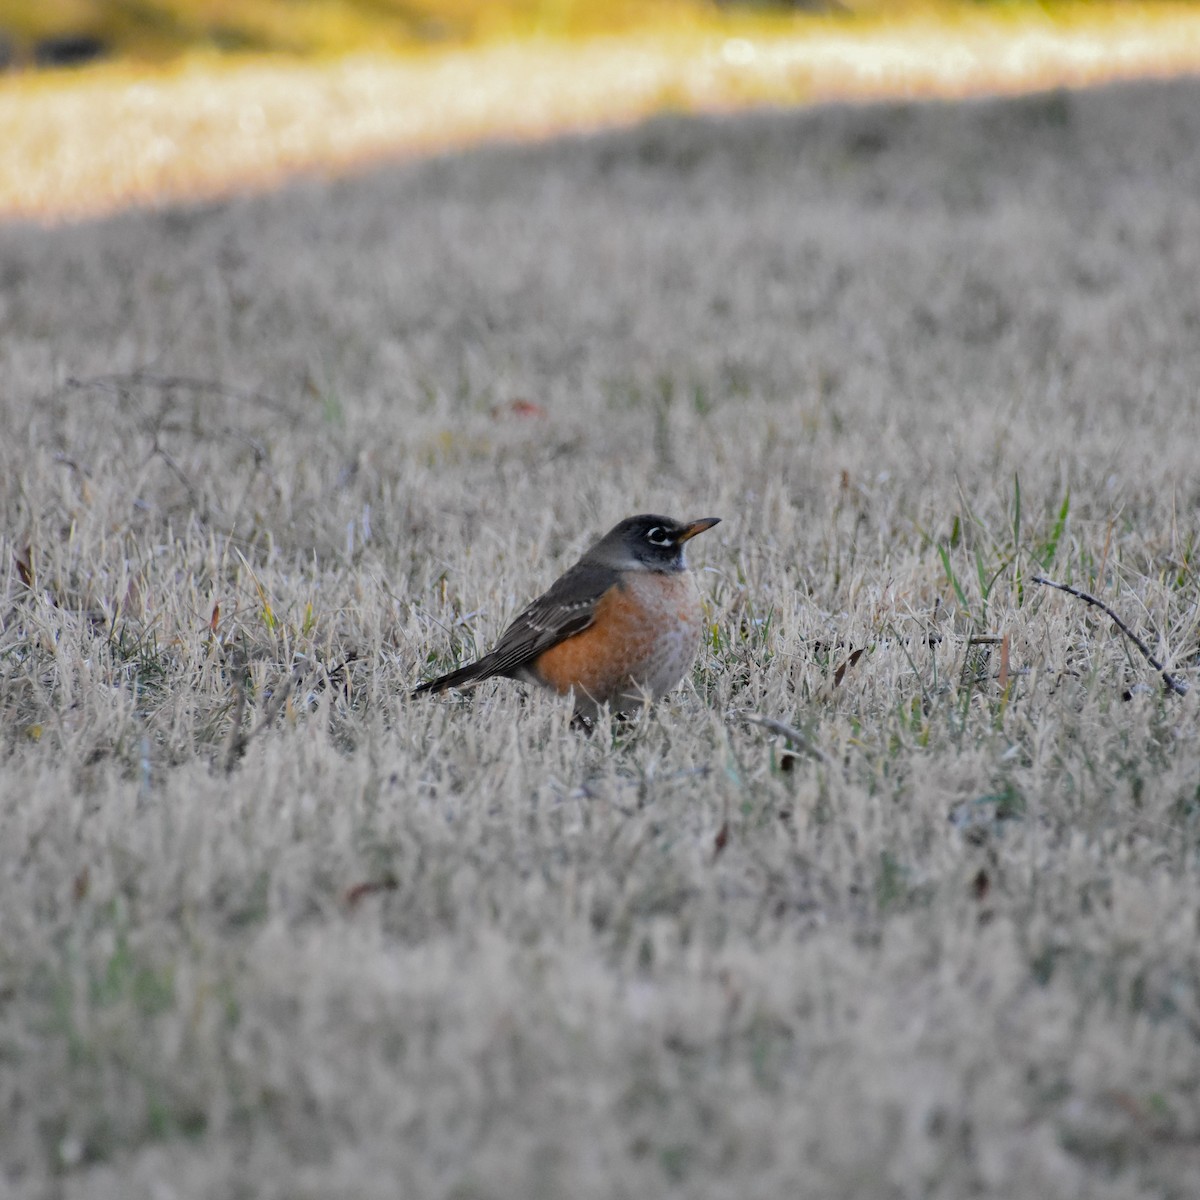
<point x="958" y="957"/>
<point x="158" y="30"/>
<point x="162" y="30"/>
<point x="101" y="139"/>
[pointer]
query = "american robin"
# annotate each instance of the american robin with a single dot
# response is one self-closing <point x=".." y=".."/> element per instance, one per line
<point x="622" y="625"/>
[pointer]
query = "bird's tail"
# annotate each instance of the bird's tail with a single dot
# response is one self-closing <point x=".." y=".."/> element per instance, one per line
<point x="463" y="678"/>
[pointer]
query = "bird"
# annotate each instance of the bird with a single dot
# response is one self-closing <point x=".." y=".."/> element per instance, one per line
<point x="619" y="627"/>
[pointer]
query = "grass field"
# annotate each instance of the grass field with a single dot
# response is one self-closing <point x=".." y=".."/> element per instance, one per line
<point x="91" y="141"/>
<point x="269" y="461"/>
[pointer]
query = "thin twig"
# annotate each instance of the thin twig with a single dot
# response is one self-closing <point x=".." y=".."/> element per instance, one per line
<point x="173" y="463"/>
<point x="1176" y="685"/>
<point x="793" y="735"/>
<point x="147" y="379"/>
<point x="238" y="741"/>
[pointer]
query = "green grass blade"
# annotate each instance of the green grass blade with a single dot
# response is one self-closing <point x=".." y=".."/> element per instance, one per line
<point x="1016" y="511"/>
<point x="950" y="575"/>
<point x="1051" y="546"/>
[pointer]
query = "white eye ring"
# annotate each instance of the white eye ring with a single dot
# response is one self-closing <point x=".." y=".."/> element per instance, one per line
<point x="658" y="536"/>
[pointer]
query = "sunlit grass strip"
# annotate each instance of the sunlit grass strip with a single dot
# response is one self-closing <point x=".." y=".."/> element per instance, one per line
<point x="160" y="30"/>
<point x="87" y="143"/>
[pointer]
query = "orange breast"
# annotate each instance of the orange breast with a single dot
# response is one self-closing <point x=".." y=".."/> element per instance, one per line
<point x="643" y="641"/>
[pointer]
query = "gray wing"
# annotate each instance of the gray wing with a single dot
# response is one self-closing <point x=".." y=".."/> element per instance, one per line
<point x="568" y="608"/>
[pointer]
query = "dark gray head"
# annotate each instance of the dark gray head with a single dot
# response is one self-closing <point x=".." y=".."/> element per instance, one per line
<point x="648" y="542"/>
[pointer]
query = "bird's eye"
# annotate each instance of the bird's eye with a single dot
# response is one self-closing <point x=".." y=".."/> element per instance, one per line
<point x="658" y="536"/>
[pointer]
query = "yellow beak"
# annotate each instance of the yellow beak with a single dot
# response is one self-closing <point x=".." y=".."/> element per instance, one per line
<point x="690" y="531"/>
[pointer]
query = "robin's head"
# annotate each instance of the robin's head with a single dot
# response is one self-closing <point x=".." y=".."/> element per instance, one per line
<point x="648" y="542"/>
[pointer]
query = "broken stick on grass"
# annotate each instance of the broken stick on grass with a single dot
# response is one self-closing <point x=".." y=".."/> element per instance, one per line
<point x="235" y="745"/>
<point x="793" y="735"/>
<point x="1176" y="685"/>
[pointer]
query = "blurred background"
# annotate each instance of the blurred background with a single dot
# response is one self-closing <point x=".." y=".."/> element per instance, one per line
<point x="58" y="32"/>
<point x="54" y="33"/>
<point x="111" y="103"/>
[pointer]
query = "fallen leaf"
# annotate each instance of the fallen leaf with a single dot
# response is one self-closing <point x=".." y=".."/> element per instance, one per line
<point x="355" y="895"/>
<point x="840" y="673"/>
<point x="721" y="840"/>
<point x="23" y="559"/>
<point x="980" y="885"/>
<point x="519" y="408"/>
